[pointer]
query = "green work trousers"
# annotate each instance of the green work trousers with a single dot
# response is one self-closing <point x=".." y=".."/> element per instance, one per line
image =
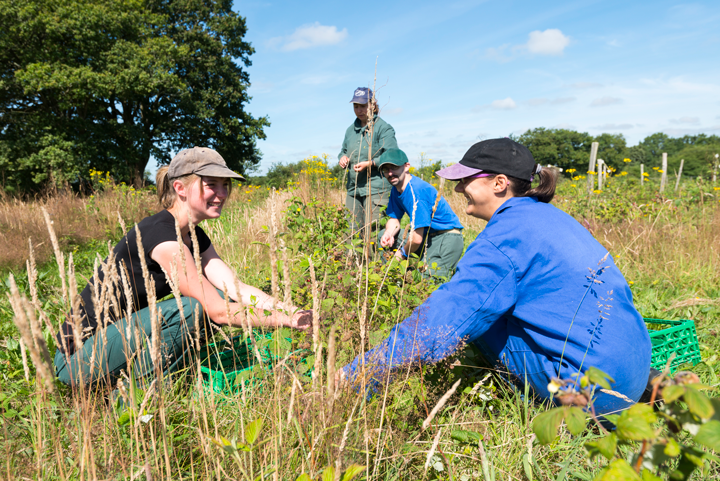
<point x="440" y="253"/>
<point x="358" y="206"/>
<point x="103" y="358"/>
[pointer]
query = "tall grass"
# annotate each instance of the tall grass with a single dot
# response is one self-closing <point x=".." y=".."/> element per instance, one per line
<point x="288" y="422"/>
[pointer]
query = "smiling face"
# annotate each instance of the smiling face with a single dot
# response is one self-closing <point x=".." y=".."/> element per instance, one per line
<point x="484" y="194"/>
<point x="206" y="197"/>
<point x="361" y="112"/>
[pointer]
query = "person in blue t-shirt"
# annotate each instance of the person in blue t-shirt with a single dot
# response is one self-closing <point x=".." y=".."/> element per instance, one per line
<point x="535" y="292"/>
<point x="437" y="234"/>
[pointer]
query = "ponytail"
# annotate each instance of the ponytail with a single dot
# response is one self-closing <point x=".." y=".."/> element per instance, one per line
<point x="165" y="190"/>
<point x="545" y="191"/>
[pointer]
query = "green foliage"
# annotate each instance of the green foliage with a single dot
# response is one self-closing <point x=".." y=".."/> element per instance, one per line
<point x="110" y="84"/>
<point x="671" y="438"/>
<point x="565" y="148"/>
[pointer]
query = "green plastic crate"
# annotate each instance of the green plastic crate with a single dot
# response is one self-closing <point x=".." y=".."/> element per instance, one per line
<point x="222" y="362"/>
<point x="669" y="337"/>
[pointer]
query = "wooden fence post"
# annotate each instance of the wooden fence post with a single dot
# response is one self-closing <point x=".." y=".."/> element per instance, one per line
<point x="677" y="182"/>
<point x="642" y="174"/>
<point x="599" y="173"/>
<point x="591" y="167"/>
<point x="663" y="177"/>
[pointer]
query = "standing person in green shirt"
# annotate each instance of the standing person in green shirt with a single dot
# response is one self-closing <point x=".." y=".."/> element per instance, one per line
<point x="365" y="141"/>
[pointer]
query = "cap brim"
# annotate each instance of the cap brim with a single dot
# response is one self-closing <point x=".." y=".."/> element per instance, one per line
<point x="457" y="172"/>
<point x="361" y="101"/>
<point x="214" y="170"/>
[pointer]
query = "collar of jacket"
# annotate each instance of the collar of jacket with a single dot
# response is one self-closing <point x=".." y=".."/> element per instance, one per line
<point x="358" y="128"/>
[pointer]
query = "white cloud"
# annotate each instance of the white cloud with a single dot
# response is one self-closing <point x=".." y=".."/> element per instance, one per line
<point x="585" y="85"/>
<point x="500" y="104"/>
<point x="613" y="127"/>
<point x="605" y="101"/>
<point x="309" y="36"/>
<point x="536" y="102"/>
<point x="549" y="42"/>
<point x="686" y="120"/>
<point x="504" y="104"/>
<point x="562" y="100"/>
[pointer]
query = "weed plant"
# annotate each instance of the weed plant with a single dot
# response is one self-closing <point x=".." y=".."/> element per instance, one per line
<point x="454" y="420"/>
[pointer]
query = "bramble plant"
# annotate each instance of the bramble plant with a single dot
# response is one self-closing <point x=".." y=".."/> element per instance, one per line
<point x="670" y="437"/>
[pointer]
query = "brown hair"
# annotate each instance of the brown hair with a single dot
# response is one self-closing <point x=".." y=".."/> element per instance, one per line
<point x="545" y="191"/>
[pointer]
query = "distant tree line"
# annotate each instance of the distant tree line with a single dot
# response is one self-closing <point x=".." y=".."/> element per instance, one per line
<point x="112" y="84"/>
<point x="569" y="149"/>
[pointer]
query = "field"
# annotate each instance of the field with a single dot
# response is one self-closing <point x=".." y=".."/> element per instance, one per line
<point x="289" y="421"/>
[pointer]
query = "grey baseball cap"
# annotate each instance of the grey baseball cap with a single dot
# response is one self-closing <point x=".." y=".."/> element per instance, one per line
<point x="200" y="161"/>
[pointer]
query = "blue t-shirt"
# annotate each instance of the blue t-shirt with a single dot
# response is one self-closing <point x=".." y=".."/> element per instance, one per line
<point x="420" y="193"/>
<point x="536" y="290"/>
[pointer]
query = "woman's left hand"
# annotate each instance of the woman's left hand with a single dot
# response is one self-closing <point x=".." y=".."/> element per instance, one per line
<point x="360" y="166"/>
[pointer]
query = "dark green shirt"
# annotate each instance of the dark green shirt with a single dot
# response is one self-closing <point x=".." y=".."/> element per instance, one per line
<point x="355" y="146"/>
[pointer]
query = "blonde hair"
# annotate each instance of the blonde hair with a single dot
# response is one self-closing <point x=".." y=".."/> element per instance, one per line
<point x="166" y="192"/>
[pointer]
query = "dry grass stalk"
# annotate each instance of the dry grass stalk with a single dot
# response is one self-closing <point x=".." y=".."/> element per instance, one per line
<point x="58" y="254"/>
<point x="433" y="448"/>
<point x="440" y="404"/>
<point x="317" y="348"/>
<point x="152" y="299"/>
<point x="23" y="355"/>
<point x="332" y="351"/>
<point x="245" y="323"/>
<point x="274" y="281"/>
<point x="343" y="440"/>
<point x="26" y="322"/>
<point x="122" y="223"/>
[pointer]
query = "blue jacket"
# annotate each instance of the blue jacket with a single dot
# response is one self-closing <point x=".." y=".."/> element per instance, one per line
<point x="539" y="293"/>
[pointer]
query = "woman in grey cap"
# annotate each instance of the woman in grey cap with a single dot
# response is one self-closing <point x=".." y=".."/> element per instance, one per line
<point x="367" y="189"/>
<point x="193" y="188"/>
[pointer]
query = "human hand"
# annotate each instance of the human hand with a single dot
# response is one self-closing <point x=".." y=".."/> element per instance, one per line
<point x="302" y="319"/>
<point x="387" y="239"/>
<point x="344" y="161"/>
<point x="399" y="254"/>
<point x="360" y="166"/>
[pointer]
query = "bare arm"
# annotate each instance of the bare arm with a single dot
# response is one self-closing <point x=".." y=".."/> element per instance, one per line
<point x="214" y="306"/>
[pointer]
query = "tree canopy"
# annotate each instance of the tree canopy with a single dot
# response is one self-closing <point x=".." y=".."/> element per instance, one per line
<point x="111" y="84"/>
<point x="569" y="149"/>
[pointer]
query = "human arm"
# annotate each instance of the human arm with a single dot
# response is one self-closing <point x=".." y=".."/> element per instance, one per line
<point x="414" y="242"/>
<point x="391" y="229"/>
<point x="198" y="286"/>
<point x="482" y="290"/>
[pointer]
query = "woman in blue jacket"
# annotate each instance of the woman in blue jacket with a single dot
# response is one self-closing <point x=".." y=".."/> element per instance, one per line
<point x="535" y="291"/>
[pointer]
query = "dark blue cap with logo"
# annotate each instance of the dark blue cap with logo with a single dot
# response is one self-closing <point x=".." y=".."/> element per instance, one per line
<point x="362" y="95"/>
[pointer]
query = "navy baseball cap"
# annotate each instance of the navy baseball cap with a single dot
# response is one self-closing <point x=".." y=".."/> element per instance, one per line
<point x="362" y="95"/>
<point x="496" y="156"/>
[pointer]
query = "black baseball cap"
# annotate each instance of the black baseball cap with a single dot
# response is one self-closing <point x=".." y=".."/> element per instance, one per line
<point x="496" y="156"/>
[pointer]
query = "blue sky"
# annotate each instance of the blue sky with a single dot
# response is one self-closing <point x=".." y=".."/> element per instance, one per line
<point x="453" y="73"/>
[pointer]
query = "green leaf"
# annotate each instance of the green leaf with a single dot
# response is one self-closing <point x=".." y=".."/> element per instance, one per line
<point x="698" y="403"/>
<point x="527" y="467"/>
<point x="327" y="304"/>
<point x="605" y="446"/>
<point x="709" y="435"/>
<point x="673" y="393"/>
<point x="545" y="425"/>
<point x="252" y="431"/>
<point x="304" y="477"/>
<point x="352" y="471"/>
<point x="648" y="476"/>
<point x="328" y="474"/>
<point x="465" y="437"/>
<point x="618" y="470"/>
<point x="645" y="411"/>
<point x="596" y="376"/>
<point x="672" y="448"/>
<point x="633" y="424"/>
<point x="575" y="420"/>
